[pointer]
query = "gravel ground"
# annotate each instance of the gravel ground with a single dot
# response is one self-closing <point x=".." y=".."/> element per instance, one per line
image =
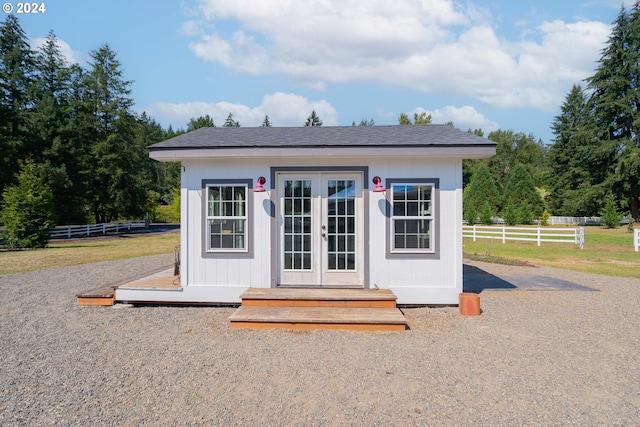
<point x="531" y="358"/>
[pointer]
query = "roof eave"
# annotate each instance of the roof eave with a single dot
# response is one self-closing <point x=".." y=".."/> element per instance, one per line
<point x="478" y="151"/>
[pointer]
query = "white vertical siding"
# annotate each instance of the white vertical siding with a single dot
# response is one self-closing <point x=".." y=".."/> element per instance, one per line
<point x="415" y="281"/>
<point x="420" y="281"/>
<point x="240" y="272"/>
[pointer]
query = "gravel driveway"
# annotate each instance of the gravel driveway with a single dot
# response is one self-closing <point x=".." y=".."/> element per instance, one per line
<point x="534" y="357"/>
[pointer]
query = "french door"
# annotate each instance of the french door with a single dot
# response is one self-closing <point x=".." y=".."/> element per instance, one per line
<point x="320" y="224"/>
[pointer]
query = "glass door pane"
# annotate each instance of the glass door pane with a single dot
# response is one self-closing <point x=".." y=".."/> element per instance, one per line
<point x="297" y="217"/>
<point x="341" y="224"/>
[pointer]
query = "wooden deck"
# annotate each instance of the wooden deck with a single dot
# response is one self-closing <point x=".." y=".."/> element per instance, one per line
<point x="307" y="308"/>
<point x="164" y="279"/>
<point x="107" y="295"/>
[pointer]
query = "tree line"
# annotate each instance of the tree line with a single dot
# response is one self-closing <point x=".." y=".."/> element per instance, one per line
<point x="74" y="129"/>
<point x="592" y="166"/>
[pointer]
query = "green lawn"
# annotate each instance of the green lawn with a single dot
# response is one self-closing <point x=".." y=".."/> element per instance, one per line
<point x="606" y="251"/>
<point x="83" y="251"/>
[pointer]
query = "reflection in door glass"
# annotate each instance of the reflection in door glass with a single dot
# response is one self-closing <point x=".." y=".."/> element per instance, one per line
<point x="341" y="230"/>
<point x="297" y="225"/>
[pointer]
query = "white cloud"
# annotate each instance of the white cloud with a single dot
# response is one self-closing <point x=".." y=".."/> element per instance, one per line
<point x="69" y="54"/>
<point x="463" y="118"/>
<point x="283" y="109"/>
<point x="435" y="46"/>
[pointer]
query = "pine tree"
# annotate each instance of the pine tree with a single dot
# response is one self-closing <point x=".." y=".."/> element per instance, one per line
<point x="163" y="177"/>
<point x="108" y="92"/>
<point x="81" y="135"/>
<point x="610" y="218"/>
<point x="313" y="120"/>
<point x="521" y="200"/>
<point x="117" y="188"/>
<point x="16" y="78"/>
<point x="230" y="122"/>
<point x="481" y="197"/>
<point x="266" y="122"/>
<point x="52" y="142"/>
<point x="615" y="163"/>
<point x="365" y="122"/>
<point x="573" y="190"/>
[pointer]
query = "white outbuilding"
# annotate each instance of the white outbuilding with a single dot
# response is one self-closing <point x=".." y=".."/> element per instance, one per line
<point x="312" y="207"/>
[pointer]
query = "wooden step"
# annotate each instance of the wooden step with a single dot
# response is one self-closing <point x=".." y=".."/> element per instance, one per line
<point x="363" y="319"/>
<point x="314" y="297"/>
<point x="104" y="295"/>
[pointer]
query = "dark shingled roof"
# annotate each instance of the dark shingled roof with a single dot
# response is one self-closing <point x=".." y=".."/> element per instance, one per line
<point x="324" y="136"/>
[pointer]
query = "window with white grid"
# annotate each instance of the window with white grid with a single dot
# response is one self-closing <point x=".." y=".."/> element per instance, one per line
<point x="226" y="218"/>
<point x="412" y="218"/>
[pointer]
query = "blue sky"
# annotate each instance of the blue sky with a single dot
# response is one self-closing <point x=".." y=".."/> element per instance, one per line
<point x="482" y="64"/>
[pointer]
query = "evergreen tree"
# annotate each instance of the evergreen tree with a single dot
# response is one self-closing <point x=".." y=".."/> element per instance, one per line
<point x="200" y="122"/>
<point x="117" y="188"/>
<point x="52" y="132"/>
<point x="164" y="177"/>
<point x="108" y="92"/>
<point x="313" y="120"/>
<point x="365" y="122"/>
<point x="119" y="180"/>
<point x="610" y="218"/>
<point x="16" y="78"/>
<point x="230" y="122"/>
<point x="81" y="135"/>
<point x="481" y="197"/>
<point x="27" y="210"/>
<point x="50" y="98"/>
<point x="266" y="122"/>
<point x="615" y="163"/>
<point x="572" y="190"/>
<point x="521" y="200"/>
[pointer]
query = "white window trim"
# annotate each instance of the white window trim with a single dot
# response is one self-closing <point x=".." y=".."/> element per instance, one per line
<point x="246" y="251"/>
<point x="433" y="252"/>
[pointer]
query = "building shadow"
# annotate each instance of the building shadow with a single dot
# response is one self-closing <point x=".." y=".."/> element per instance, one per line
<point x="475" y="280"/>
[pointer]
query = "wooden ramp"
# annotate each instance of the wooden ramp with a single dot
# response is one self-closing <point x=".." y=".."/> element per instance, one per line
<point x="305" y="308"/>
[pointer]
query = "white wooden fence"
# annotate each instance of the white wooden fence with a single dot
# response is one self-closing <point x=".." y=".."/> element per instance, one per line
<point x="68" y="231"/>
<point x="567" y="220"/>
<point x="636" y="239"/>
<point x="574" y="220"/>
<point x="538" y="234"/>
